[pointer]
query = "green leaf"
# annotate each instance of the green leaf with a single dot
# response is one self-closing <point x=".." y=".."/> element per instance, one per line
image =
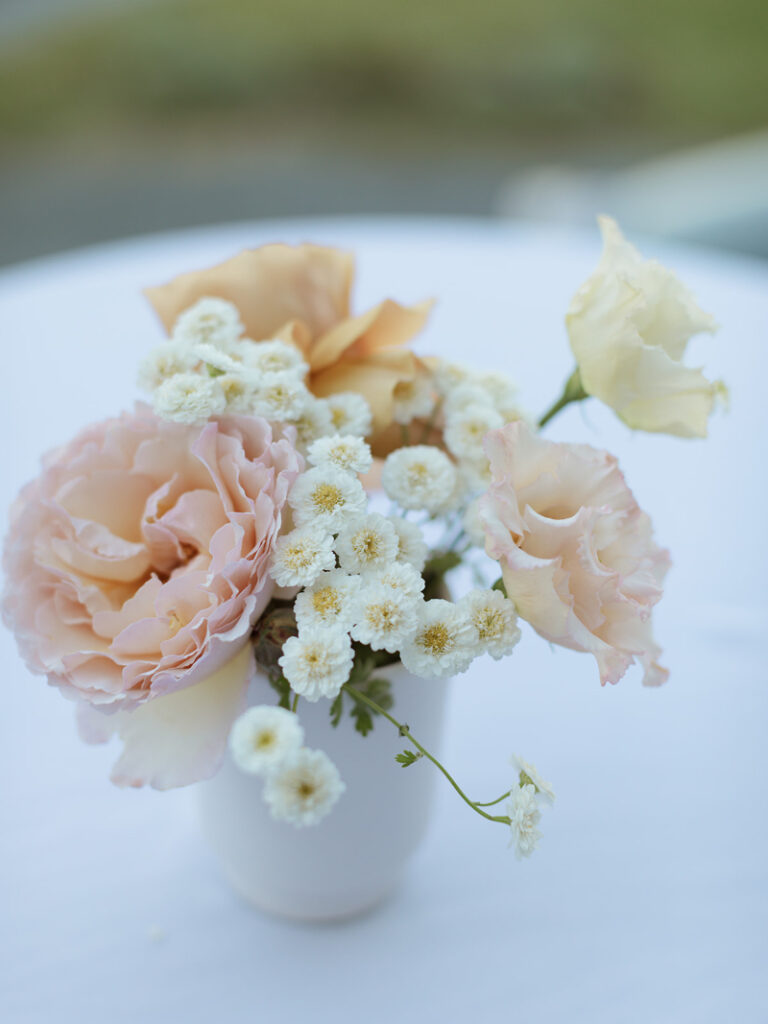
<point x="380" y="692"/>
<point x="407" y="758"/>
<point x="214" y="371"/>
<point x="499" y="585"/>
<point x="337" y="708"/>
<point x="282" y="687"/>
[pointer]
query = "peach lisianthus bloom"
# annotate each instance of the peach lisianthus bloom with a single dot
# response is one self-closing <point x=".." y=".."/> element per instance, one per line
<point x="136" y="565"/>
<point x="629" y="326"/>
<point x="577" y="553"/>
<point x="302" y="294"/>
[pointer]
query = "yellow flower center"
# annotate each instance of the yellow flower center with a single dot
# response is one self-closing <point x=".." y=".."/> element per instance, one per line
<point x="367" y="545"/>
<point x="327" y="497"/>
<point x="489" y="623"/>
<point x="326" y="601"/>
<point x="265" y="740"/>
<point x="338" y="416"/>
<point x="299" y="556"/>
<point x="436" y="639"/>
<point x="382" y="617"/>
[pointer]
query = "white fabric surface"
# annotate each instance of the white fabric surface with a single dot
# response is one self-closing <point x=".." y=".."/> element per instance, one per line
<point x="646" y="901"/>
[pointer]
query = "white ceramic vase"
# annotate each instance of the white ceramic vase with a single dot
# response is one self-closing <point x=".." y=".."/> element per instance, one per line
<point x="355" y="856"/>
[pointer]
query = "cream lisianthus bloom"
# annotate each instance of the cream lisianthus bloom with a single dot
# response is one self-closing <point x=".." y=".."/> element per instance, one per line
<point x="629" y="325"/>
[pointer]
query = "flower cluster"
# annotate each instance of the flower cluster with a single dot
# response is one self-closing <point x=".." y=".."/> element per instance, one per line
<point x="207" y="368"/>
<point x="361" y="573"/>
<point x="296" y="500"/>
<point x="301" y="785"/>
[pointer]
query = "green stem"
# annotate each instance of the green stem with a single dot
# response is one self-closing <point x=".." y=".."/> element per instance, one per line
<point x="406" y="732"/>
<point x="572" y="392"/>
<point x="405" y="435"/>
<point x="496" y="801"/>
<point x="295" y="703"/>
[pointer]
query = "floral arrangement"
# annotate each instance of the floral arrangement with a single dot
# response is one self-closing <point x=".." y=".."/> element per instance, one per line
<point x="296" y="495"/>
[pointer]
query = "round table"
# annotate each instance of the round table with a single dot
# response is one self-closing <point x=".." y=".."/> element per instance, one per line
<point x="646" y="900"/>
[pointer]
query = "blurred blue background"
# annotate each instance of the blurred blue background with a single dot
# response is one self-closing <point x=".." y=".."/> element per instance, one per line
<point x="119" y="117"/>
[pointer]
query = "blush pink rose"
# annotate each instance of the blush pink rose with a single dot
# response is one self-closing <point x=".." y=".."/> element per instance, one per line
<point x="136" y="565"/>
<point x="577" y="553"/>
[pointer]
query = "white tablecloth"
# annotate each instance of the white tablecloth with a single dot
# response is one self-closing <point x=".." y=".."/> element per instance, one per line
<point x="646" y="901"/>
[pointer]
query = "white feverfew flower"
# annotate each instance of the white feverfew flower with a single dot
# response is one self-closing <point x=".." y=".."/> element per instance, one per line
<point x="264" y="736"/>
<point x="411" y="546"/>
<point x="189" y="398"/>
<point x="350" y="413"/>
<point x="304" y="788"/>
<point x="317" y="662"/>
<point x="345" y="451"/>
<point x="366" y="543"/>
<point x="465" y="430"/>
<point x="524" y="815"/>
<point x="239" y="391"/>
<point x="442" y="643"/>
<point x="164" y="361"/>
<point x="272" y="357"/>
<point x="314" y="420"/>
<point x="330" y="601"/>
<point x="528" y="775"/>
<point x="384" y="617"/>
<point x="413" y="399"/>
<point x="210" y="320"/>
<point x="447" y="376"/>
<point x="419" y="477"/>
<point x="402" y="578"/>
<point x="464" y="395"/>
<point x="301" y="555"/>
<point x="211" y="358"/>
<point x="494" y="620"/>
<point x="279" y="396"/>
<point x="327" y="496"/>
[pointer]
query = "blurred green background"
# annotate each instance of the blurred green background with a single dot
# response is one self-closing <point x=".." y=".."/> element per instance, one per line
<point x="118" y="118"/>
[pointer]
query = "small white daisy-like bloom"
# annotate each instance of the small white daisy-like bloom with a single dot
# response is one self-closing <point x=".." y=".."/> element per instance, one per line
<point x="317" y="662"/>
<point x="264" y="736"/>
<point x="164" y="361"/>
<point x="312" y="421"/>
<point x="528" y="775"/>
<point x="328" y="602"/>
<point x="494" y="620"/>
<point x="327" y="496"/>
<point x="524" y="815"/>
<point x="303" y="788"/>
<point x="411" y="546"/>
<point x="465" y="430"/>
<point x="465" y="394"/>
<point x="442" y="643"/>
<point x="419" y="477"/>
<point x="350" y="413"/>
<point x="384" y="617"/>
<point x="214" y="359"/>
<point x="342" y="450"/>
<point x="366" y="543"/>
<point x="239" y="391"/>
<point x="447" y="376"/>
<point x="279" y="396"/>
<point x="503" y="393"/>
<point x="402" y="578"/>
<point x="272" y="357"/>
<point x="413" y="399"/>
<point x="189" y="398"/>
<point x="473" y="524"/>
<point x="210" y="320"/>
<point x="301" y="555"/>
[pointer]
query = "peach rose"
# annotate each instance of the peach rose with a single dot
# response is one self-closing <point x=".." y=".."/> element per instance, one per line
<point x="577" y="553"/>
<point x="136" y="565"/>
<point x="301" y="294"/>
